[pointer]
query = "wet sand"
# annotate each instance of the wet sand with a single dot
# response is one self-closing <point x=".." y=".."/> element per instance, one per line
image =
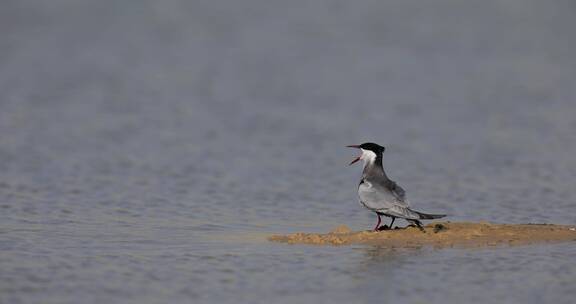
<point x="440" y="234"/>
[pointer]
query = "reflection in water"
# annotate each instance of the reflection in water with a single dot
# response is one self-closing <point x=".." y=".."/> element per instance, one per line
<point x="381" y="255"/>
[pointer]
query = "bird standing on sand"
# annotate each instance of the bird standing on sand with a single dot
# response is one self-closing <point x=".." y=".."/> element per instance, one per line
<point x="382" y="195"/>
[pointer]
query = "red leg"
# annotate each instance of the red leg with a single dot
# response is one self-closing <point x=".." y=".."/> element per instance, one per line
<point x="377" y="225"/>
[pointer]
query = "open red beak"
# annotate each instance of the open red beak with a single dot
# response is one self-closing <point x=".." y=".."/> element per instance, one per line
<point x="357" y="158"/>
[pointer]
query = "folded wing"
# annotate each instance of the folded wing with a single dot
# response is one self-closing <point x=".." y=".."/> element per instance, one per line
<point x="389" y="199"/>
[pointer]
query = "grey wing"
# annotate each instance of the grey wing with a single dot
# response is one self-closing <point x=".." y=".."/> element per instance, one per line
<point x="388" y="199"/>
<point x="398" y="192"/>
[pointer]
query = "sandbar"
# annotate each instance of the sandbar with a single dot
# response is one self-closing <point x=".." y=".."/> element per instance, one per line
<point x="439" y="234"/>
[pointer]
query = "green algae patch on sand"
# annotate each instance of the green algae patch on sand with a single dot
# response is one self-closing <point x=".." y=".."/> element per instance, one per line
<point x="439" y="234"/>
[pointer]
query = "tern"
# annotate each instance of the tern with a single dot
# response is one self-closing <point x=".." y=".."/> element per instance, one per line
<point x="382" y="195"/>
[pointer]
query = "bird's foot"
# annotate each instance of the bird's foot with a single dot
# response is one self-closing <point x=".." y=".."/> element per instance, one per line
<point x="383" y="227"/>
<point x="417" y="226"/>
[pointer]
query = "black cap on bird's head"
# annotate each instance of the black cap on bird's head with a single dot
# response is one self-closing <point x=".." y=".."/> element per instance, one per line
<point x="377" y="149"/>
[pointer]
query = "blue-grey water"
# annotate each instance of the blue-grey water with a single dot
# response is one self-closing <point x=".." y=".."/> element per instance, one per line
<point x="147" y="148"/>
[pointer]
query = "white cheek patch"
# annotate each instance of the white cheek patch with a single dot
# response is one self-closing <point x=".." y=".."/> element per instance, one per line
<point x="368" y="156"/>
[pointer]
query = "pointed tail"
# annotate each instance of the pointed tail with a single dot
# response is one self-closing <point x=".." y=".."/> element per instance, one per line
<point x="426" y="216"/>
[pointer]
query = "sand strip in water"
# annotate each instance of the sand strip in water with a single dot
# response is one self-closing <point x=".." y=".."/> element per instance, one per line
<point x="440" y="234"/>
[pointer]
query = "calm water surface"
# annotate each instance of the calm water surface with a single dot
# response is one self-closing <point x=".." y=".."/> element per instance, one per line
<point x="147" y="148"/>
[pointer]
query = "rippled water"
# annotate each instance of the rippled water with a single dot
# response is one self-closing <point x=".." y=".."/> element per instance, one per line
<point x="148" y="147"/>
